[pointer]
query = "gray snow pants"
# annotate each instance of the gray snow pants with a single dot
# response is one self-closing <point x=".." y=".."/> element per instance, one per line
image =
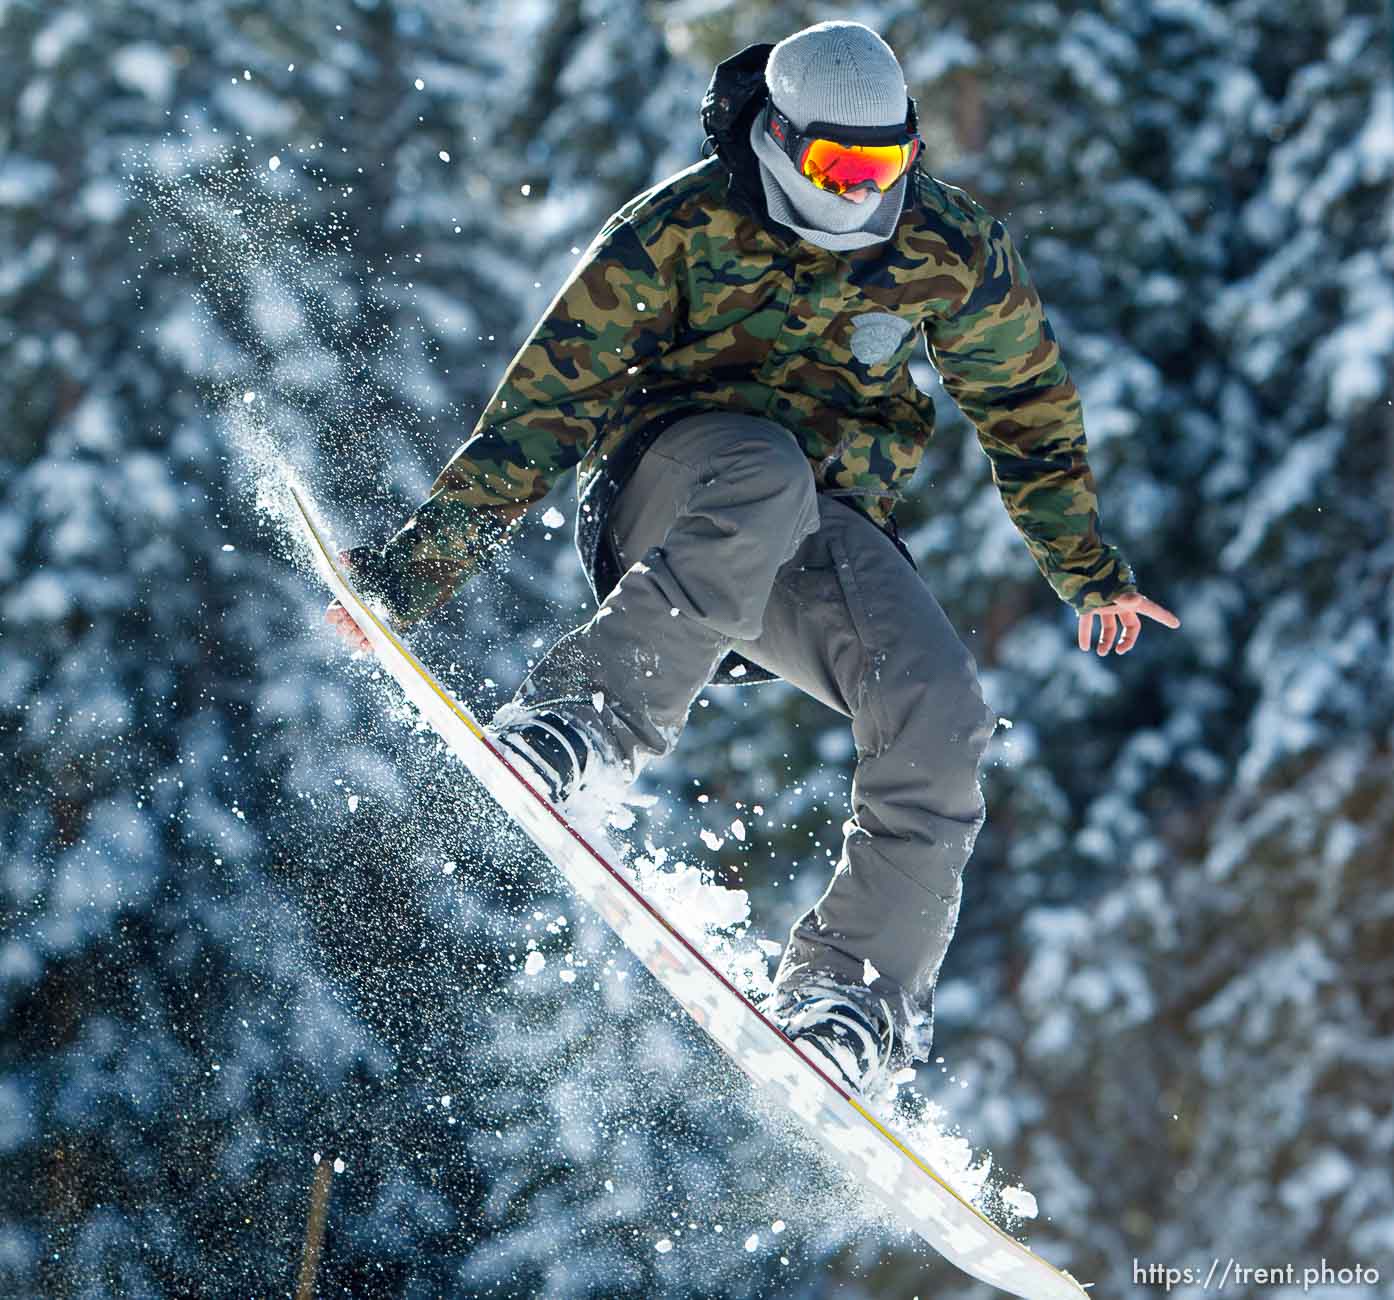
<point x="727" y="545"/>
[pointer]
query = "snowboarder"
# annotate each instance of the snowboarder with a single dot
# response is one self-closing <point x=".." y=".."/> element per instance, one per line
<point x="727" y="367"/>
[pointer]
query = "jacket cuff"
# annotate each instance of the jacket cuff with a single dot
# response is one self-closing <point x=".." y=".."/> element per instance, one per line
<point x="376" y="577"/>
<point x="1102" y="584"/>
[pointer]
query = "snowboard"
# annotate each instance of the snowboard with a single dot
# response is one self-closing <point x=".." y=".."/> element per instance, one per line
<point x="852" y="1137"/>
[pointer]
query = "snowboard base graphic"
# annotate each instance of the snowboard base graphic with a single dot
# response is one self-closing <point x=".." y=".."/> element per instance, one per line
<point x="853" y="1138"/>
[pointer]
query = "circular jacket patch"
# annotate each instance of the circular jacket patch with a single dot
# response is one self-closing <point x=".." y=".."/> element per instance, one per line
<point x="876" y="335"/>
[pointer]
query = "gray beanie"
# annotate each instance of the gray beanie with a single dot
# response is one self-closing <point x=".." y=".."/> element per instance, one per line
<point x="842" y="73"/>
<point x="838" y="72"/>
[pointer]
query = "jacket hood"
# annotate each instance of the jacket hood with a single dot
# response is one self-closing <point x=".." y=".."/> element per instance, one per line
<point x="736" y="93"/>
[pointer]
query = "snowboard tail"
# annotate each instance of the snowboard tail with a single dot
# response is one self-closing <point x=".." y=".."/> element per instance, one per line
<point x="850" y="1134"/>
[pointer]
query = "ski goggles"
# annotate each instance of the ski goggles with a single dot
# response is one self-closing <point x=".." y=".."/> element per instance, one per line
<point x="840" y="158"/>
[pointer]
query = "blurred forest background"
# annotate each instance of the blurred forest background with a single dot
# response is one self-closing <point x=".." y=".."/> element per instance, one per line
<point x="248" y="916"/>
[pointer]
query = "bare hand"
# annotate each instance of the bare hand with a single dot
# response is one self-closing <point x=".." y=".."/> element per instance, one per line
<point x="1119" y="625"/>
<point x="342" y="621"/>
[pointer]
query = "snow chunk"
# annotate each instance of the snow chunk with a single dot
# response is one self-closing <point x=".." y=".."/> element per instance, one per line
<point x="712" y="840"/>
<point x="274" y="162"/>
<point x="553" y="518"/>
<point x="683" y="891"/>
<point x="353" y="803"/>
<point x="664" y="1246"/>
<point x="752" y="1241"/>
<point x="534" y="964"/>
<point x="339" y="1165"/>
<point x="1019" y="1201"/>
<point x="738" y="829"/>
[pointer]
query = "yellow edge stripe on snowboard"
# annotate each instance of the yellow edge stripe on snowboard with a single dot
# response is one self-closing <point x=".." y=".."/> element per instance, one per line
<point x="478" y="734"/>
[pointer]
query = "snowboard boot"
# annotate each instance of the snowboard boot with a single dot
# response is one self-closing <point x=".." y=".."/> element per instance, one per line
<point x="564" y="754"/>
<point x="852" y="1032"/>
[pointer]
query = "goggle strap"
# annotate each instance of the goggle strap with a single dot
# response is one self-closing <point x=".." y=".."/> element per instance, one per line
<point x="857" y="135"/>
<point x="782" y="129"/>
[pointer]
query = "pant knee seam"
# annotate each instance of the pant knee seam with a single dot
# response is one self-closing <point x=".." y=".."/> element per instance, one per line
<point x="919" y="884"/>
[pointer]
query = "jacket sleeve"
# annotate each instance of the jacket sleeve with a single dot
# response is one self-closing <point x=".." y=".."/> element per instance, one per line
<point x="614" y="314"/>
<point x="998" y="359"/>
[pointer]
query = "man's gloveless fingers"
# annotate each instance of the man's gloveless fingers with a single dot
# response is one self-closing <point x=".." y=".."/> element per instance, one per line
<point x="1132" y="629"/>
<point x="1108" y="631"/>
<point x="342" y="622"/>
<point x="1139" y="604"/>
<point x="1156" y="612"/>
<point x="1119" y="624"/>
<point x="1086" y="627"/>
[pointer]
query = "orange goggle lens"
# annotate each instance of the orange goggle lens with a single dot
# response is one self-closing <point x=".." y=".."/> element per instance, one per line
<point x="838" y="167"/>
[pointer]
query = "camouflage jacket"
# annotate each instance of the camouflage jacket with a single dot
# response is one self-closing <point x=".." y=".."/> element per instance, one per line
<point x="690" y="297"/>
